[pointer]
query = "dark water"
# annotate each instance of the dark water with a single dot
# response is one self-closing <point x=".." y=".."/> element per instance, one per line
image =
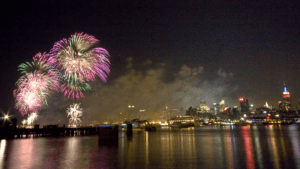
<point x="199" y="147"/>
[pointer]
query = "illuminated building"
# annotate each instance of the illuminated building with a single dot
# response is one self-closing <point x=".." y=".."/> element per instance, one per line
<point x="286" y="99"/>
<point x="280" y="105"/>
<point x="244" y="104"/>
<point x="251" y="108"/>
<point x="216" y="107"/>
<point x="226" y="114"/>
<point x="203" y="107"/>
<point x="227" y="110"/>
<point x="235" y="112"/>
<point x="221" y="106"/>
<point x="267" y="105"/>
<point x="262" y="111"/>
<point x="212" y="111"/>
<point x="191" y="112"/>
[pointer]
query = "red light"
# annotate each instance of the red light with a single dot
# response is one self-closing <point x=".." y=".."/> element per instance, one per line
<point x="241" y="99"/>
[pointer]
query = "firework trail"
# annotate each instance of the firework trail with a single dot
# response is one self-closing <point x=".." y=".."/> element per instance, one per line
<point x="79" y="60"/>
<point x="75" y="112"/>
<point x="38" y="81"/>
<point x="75" y="90"/>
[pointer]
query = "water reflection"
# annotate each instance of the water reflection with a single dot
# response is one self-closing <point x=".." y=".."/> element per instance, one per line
<point x="273" y="146"/>
<point x="229" y="151"/>
<point x="73" y="152"/>
<point x="246" y="134"/>
<point x="2" y="150"/>
<point x="147" y="149"/>
<point x="257" y="143"/>
<point x="294" y="135"/>
<point x="199" y="147"/>
<point x="23" y="154"/>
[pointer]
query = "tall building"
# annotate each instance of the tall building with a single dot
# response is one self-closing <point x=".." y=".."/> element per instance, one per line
<point x="244" y="104"/>
<point x="222" y="106"/>
<point x="216" y="107"/>
<point x="203" y="107"/>
<point x="235" y="112"/>
<point x="191" y="112"/>
<point x="286" y="99"/>
<point x="280" y="105"/>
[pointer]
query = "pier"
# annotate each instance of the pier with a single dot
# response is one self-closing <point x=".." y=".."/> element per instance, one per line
<point x="46" y="132"/>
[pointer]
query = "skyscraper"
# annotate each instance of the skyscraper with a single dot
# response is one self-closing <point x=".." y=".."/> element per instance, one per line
<point x="216" y="107"/>
<point x="203" y="107"/>
<point x="244" y="105"/>
<point x="286" y="99"/>
<point x="221" y="106"/>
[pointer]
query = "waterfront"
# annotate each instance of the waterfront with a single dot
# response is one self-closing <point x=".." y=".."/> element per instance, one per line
<point x="195" y="147"/>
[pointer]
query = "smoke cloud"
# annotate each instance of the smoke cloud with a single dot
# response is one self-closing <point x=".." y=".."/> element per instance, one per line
<point x="146" y="89"/>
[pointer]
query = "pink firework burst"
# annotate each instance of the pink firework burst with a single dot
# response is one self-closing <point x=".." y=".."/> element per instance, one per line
<point x="79" y="60"/>
<point x="38" y="81"/>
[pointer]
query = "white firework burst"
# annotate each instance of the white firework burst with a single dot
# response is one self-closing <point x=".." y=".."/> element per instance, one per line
<point x="75" y="112"/>
<point x="31" y="118"/>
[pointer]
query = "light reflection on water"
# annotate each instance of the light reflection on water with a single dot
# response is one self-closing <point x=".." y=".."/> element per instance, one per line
<point x="199" y="147"/>
<point x="2" y="150"/>
<point x="294" y="134"/>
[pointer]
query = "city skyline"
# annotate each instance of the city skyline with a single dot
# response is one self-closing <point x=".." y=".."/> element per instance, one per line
<point x="236" y="50"/>
<point x="150" y="84"/>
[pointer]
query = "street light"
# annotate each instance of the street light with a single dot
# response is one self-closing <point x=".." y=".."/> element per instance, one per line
<point x="6" y="116"/>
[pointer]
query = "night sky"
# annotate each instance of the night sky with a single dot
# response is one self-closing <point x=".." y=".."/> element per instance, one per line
<point x="239" y="49"/>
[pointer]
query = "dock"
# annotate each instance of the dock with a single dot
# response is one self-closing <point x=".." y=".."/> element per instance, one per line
<point x="46" y="132"/>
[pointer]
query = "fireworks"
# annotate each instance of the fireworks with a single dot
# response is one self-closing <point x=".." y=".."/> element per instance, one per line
<point x="79" y="60"/>
<point x="74" y="90"/>
<point x="75" y="112"/>
<point x="74" y="62"/>
<point x="24" y="122"/>
<point x="34" y="86"/>
<point x="31" y="118"/>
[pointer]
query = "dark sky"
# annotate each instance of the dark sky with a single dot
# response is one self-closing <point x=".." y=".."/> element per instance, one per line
<point x="256" y="41"/>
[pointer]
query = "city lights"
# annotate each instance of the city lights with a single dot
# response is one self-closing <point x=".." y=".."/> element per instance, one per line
<point x="171" y="84"/>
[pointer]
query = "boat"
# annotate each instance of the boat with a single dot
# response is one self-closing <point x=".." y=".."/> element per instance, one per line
<point x="150" y="128"/>
<point x="183" y="121"/>
<point x="242" y="123"/>
<point x="206" y="123"/>
<point x="287" y="122"/>
<point x="227" y="124"/>
<point x="178" y="125"/>
<point x="279" y="123"/>
<point x="136" y="123"/>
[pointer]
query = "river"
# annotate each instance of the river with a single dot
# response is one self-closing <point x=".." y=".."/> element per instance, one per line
<point x="195" y="147"/>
